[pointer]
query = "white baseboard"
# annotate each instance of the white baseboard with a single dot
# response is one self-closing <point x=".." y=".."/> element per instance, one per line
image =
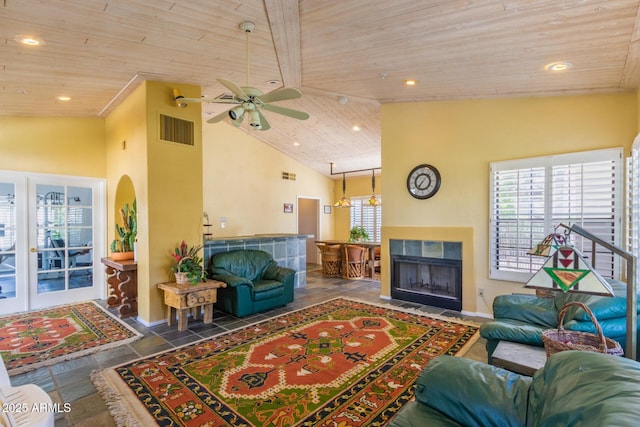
<point x="477" y="314"/>
<point x="149" y="324"/>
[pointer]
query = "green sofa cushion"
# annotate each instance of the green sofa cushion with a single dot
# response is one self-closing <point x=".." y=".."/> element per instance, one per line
<point x="513" y="330"/>
<point x="267" y="289"/>
<point x="230" y="279"/>
<point x="602" y="307"/>
<point x="539" y="311"/>
<point x="460" y="389"/>
<point x="581" y="388"/>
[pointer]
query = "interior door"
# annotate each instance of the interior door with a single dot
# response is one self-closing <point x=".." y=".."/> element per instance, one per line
<point x="309" y="224"/>
<point x="62" y="241"/>
<point x="12" y="239"/>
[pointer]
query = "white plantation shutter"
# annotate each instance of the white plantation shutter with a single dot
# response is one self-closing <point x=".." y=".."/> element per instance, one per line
<point x="633" y="202"/>
<point x="531" y="196"/>
<point x="370" y="217"/>
<point x="585" y="194"/>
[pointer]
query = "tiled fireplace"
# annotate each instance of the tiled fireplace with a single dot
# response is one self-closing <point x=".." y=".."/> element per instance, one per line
<point x="427" y="272"/>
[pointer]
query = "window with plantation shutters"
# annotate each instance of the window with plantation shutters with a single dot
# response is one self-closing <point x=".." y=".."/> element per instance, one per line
<point x="529" y="197"/>
<point x="370" y="217"/>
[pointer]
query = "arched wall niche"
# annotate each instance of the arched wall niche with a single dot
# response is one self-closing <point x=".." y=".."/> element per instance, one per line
<point x="125" y="194"/>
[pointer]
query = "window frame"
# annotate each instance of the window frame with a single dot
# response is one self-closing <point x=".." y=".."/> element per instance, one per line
<point x="615" y="155"/>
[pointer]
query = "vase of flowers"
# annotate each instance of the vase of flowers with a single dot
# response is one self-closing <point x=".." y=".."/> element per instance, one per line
<point x="188" y="268"/>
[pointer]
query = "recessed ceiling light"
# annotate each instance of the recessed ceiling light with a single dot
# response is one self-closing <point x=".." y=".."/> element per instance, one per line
<point x="274" y="82"/>
<point x="356" y="128"/>
<point x="558" y="66"/>
<point x="63" y="98"/>
<point x="410" y="82"/>
<point x="296" y="144"/>
<point x="29" y="40"/>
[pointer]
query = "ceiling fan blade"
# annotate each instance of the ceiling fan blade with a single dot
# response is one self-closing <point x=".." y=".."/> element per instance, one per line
<point x="211" y="100"/>
<point x="300" y="115"/>
<point x="281" y="94"/>
<point x="219" y="117"/>
<point x="234" y="88"/>
<point x="264" y="124"/>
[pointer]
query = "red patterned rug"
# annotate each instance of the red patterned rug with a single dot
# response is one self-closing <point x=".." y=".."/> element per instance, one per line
<point x="32" y="339"/>
<point x="339" y="363"/>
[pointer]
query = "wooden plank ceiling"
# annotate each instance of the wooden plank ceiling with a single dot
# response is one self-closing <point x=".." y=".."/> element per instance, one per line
<point x="96" y="50"/>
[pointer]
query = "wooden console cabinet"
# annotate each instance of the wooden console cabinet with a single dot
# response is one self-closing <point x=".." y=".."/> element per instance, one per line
<point x="183" y="297"/>
<point x="122" y="278"/>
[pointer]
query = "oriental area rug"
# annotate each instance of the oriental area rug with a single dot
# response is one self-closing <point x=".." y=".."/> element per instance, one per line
<point x="30" y="340"/>
<point x="338" y="363"/>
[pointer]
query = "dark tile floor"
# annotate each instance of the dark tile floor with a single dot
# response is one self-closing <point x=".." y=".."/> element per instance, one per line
<point x="68" y="382"/>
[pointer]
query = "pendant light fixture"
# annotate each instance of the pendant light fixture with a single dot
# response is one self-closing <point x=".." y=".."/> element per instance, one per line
<point x="346" y="203"/>
<point x="343" y="202"/>
<point x="373" y="201"/>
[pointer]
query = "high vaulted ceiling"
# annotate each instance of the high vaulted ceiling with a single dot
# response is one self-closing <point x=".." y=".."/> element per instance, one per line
<point x="96" y="51"/>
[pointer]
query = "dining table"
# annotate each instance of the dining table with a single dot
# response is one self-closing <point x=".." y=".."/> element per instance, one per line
<point x="371" y="247"/>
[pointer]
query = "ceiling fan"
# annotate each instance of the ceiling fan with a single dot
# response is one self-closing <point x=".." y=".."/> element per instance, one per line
<point x="249" y="101"/>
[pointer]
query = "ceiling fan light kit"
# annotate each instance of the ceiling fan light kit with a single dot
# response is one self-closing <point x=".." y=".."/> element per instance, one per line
<point x="248" y="99"/>
<point x="236" y="112"/>
<point x="178" y="98"/>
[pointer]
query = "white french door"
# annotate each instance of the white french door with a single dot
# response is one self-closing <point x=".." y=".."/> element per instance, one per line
<point x="51" y="240"/>
<point x="12" y="242"/>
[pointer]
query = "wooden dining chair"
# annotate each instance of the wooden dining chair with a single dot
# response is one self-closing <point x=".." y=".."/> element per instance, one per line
<point x="374" y="262"/>
<point x="353" y="262"/>
<point x="331" y="260"/>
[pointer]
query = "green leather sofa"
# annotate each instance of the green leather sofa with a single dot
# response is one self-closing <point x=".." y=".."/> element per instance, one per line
<point x="523" y="318"/>
<point x="574" y="388"/>
<point x="255" y="282"/>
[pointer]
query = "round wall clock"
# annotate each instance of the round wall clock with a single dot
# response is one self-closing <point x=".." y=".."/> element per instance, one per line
<point x="423" y="181"/>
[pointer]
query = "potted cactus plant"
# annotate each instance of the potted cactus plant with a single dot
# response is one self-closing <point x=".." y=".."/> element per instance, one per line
<point x="122" y="245"/>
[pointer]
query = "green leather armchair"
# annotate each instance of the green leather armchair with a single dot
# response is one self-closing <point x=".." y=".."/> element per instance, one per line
<point x="574" y="388"/>
<point x="255" y="282"/>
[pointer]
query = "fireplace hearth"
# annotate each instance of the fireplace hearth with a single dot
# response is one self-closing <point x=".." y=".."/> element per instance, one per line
<point x="425" y="280"/>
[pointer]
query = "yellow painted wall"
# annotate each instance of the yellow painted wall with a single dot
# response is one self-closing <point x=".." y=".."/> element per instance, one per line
<point x="357" y="186"/>
<point x="243" y="182"/>
<point x="54" y="145"/>
<point x="461" y="138"/>
<point x="175" y="187"/>
<point x="167" y="179"/>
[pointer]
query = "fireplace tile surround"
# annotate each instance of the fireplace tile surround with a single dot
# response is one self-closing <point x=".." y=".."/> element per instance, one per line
<point x="426" y="248"/>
